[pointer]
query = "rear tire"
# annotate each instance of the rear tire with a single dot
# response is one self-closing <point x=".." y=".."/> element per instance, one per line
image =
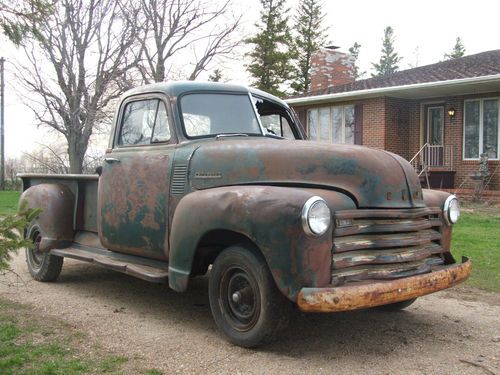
<point x="397" y="306"/>
<point x="245" y="302"/>
<point x="42" y="265"/>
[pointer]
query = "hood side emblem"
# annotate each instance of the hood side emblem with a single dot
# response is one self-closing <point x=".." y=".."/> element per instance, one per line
<point x="208" y="175"/>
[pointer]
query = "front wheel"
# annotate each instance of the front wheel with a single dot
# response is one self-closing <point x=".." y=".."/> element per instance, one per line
<point x="42" y="265"/>
<point x="245" y="302"/>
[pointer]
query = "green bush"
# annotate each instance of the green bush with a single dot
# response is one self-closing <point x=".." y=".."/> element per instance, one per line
<point x="11" y="233"/>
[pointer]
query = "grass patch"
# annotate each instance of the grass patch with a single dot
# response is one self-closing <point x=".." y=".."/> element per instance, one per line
<point x="476" y="235"/>
<point x="31" y="345"/>
<point x="8" y="202"/>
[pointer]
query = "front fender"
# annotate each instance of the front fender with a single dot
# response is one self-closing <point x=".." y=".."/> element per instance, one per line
<point x="436" y="198"/>
<point x="55" y="222"/>
<point x="269" y="216"/>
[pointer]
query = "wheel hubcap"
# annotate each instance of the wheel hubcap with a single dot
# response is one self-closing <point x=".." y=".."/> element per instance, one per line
<point x="35" y="254"/>
<point x="240" y="297"/>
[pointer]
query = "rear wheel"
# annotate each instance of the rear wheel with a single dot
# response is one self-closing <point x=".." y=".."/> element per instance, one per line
<point x="397" y="306"/>
<point x="245" y="302"/>
<point x="42" y="265"/>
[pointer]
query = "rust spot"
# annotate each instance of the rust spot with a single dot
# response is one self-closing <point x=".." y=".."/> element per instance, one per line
<point x="365" y="295"/>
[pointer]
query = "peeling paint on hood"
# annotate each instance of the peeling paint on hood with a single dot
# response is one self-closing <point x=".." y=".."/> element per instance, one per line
<point x="374" y="178"/>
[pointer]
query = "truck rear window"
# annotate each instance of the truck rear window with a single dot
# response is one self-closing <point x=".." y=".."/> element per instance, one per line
<point x="212" y="114"/>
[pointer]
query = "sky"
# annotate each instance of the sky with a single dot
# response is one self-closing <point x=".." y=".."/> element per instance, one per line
<point x="425" y="30"/>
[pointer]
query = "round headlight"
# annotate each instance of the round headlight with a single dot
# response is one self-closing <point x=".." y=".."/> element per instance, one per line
<point x="316" y="216"/>
<point x="451" y="209"/>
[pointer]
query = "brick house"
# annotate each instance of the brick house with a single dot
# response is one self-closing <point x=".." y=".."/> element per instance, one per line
<point x="445" y="114"/>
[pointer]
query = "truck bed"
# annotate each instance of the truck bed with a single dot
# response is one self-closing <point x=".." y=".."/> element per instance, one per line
<point x="84" y="188"/>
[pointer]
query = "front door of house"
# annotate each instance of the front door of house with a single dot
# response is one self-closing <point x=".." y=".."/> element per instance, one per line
<point x="435" y="135"/>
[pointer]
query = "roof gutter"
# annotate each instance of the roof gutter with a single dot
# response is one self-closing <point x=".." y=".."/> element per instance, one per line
<point x="381" y="91"/>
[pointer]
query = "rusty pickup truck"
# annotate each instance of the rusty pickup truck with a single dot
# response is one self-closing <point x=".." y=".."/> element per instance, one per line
<point x="213" y="178"/>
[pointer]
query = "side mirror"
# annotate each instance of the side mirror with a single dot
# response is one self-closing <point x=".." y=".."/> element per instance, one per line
<point x="98" y="170"/>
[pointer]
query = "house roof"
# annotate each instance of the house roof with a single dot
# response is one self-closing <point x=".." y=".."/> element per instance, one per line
<point x="443" y="78"/>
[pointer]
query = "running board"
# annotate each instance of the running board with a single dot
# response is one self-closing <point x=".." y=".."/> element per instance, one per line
<point x="146" y="269"/>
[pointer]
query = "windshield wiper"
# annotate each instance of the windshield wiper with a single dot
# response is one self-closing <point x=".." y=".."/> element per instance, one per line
<point x="225" y="135"/>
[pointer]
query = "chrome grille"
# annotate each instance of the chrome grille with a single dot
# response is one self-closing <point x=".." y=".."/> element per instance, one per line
<point x="385" y="244"/>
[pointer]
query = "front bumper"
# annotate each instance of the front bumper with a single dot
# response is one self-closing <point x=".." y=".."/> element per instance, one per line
<point x="362" y="296"/>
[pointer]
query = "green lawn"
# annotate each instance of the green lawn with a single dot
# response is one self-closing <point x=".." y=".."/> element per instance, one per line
<point x="477" y="235"/>
<point x="30" y="344"/>
<point x="8" y="202"/>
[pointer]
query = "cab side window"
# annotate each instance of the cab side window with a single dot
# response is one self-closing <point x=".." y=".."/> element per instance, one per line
<point x="278" y="125"/>
<point x="274" y="118"/>
<point x="143" y="122"/>
<point x="161" y="131"/>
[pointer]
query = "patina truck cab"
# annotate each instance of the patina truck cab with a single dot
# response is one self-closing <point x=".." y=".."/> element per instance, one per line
<point x="217" y="177"/>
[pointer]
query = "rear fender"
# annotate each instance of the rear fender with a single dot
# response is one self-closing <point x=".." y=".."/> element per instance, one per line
<point x="270" y="217"/>
<point x="55" y="222"/>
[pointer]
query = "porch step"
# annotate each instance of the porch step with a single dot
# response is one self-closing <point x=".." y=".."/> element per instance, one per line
<point x="142" y="268"/>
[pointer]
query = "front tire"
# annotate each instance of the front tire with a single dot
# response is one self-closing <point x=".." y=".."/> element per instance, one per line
<point x="42" y="265"/>
<point x="245" y="302"/>
<point x="398" y="306"/>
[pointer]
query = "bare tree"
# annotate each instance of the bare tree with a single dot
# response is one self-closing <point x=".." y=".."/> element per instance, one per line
<point x="75" y="66"/>
<point x="45" y="159"/>
<point x="12" y="168"/>
<point x="170" y="27"/>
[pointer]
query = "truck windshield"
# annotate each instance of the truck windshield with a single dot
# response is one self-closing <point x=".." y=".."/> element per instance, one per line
<point x="212" y="114"/>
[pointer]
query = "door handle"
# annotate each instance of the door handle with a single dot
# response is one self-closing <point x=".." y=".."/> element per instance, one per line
<point x="111" y="160"/>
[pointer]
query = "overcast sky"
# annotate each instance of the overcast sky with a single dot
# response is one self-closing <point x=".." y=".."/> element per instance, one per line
<point x="424" y="31"/>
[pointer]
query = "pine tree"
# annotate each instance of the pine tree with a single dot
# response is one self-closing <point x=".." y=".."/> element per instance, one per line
<point x="310" y="36"/>
<point x="273" y="52"/>
<point x="458" y="50"/>
<point x="11" y="229"/>
<point x="389" y="60"/>
<point x="354" y="51"/>
<point x="215" y="76"/>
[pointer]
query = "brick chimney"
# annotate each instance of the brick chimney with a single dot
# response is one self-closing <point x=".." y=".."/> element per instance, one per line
<point x="331" y="68"/>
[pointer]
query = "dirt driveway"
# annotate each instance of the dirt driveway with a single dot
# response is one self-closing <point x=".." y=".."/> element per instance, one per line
<point x="175" y="333"/>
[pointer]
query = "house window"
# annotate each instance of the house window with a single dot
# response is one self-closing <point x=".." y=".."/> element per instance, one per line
<point x="481" y="128"/>
<point x="331" y="124"/>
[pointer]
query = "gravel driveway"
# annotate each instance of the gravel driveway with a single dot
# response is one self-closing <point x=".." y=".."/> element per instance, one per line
<point x="455" y="332"/>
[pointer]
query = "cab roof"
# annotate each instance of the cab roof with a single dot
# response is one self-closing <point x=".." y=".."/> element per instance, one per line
<point x="177" y="88"/>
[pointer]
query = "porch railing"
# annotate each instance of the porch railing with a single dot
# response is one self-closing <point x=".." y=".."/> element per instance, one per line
<point x="432" y="156"/>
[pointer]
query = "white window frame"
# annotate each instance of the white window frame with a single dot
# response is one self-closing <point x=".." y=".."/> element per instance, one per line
<point x="330" y="123"/>
<point x="481" y="116"/>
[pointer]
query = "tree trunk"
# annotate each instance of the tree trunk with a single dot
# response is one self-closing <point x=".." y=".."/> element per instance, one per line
<point x="76" y="152"/>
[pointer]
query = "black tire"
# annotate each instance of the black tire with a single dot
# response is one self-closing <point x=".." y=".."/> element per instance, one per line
<point x="397" y="306"/>
<point x="245" y="302"/>
<point x="42" y="265"/>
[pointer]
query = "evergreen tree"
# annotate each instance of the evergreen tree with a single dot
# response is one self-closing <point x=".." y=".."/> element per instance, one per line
<point x="354" y="51"/>
<point x="273" y="52"/>
<point x="215" y="76"/>
<point x="389" y="60"/>
<point x="18" y="17"/>
<point x="11" y="230"/>
<point x="458" y="50"/>
<point x="310" y="36"/>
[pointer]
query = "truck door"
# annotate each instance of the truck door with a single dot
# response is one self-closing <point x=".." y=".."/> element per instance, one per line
<point x="134" y="184"/>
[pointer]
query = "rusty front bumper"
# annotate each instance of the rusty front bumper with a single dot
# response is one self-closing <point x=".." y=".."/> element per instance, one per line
<point x="353" y="297"/>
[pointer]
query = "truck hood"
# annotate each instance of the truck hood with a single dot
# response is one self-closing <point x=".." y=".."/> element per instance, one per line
<point x="373" y="178"/>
